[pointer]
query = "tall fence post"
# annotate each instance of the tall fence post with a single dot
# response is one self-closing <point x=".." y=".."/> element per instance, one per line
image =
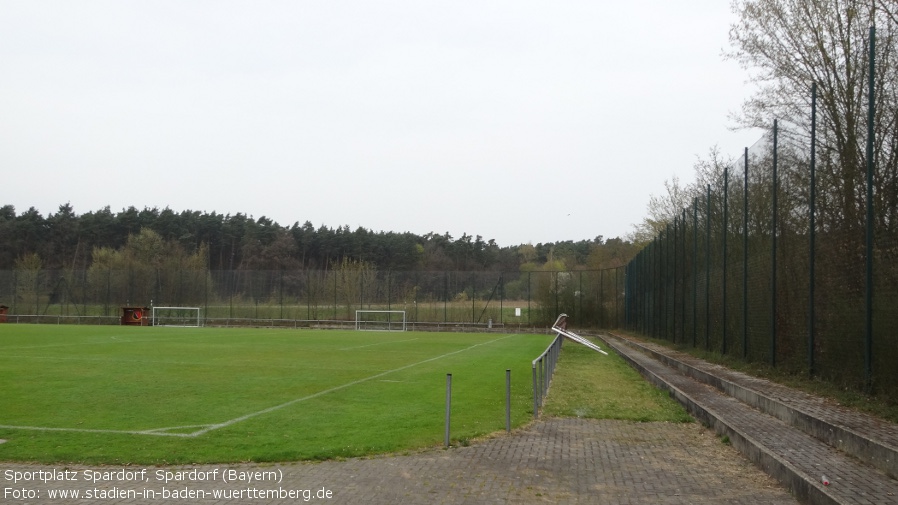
<point x="683" y="281"/>
<point x="602" y="299"/>
<point x="745" y="256"/>
<point x="812" y="230"/>
<point x="726" y="219"/>
<point x="708" y="273"/>
<point x="673" y="279"/>
<point x="694" y="270"/>
<point x="664" y="264"/>
<point x="773" y="223"/>
<point x="868" y="316"/>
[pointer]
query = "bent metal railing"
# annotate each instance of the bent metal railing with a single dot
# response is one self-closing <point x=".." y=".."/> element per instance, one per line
<point x="544" y="365"/>
<point x="543" y="368"/>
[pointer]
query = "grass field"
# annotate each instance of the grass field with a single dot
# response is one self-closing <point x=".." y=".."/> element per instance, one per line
<point x="118" y="394"/>
<point x="115" y="394"/>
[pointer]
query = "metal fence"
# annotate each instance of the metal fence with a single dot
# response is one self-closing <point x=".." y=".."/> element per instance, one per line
<point x="543" y="369"/>
<point x="592" y="298"/>
<point x="787" y="258"/>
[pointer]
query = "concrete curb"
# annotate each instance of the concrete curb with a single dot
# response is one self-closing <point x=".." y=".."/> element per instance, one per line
<point x="872" y="451"/>
<point x="804" y="487"/>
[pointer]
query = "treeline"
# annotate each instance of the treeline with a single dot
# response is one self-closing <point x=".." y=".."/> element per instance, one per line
<point x="66" y="240"/>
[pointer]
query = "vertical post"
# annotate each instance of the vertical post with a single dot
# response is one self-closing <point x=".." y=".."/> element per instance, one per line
<point x="448" y="405"/>
<point x="644" y="289"/>
<point x="673" y="278"/>
<point x="105" y="300"/>
<point x="653" y="288"/>
<point x="694" y="269"/>
<point x="601" y="298"/>
<point x="205" y="295"/>
<point x="745" y="257"/>
<point x="280" y="291"/>
<point x="616" y="308"/>
<point x="529" y="283"/>
<point x="708" y="273"/>
<point x="501" y="297"/>
<point x="535" y="394"/>
<point x="726" y="218"/>
<point x="508" y="400"/>
<point x="627" y="274"/>
<point x="683" y="283"/>
<point x="812" y="230"/>
<point x="773" y="233"/>
<point x="557" y="310"/>
<point x="868" y="319"/>
<point x="473" y="297"/>
<point x="656" y="283"/>
<point x="579" y="301"/>
<point x="641" y="290"/>
<point x="665" y="253"/>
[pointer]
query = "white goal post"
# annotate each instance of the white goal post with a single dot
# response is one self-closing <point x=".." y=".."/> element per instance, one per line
<point x="177" y="316"/>
<point x="380" y="320"/>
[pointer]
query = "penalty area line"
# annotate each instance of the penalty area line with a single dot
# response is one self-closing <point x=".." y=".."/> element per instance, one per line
<point x="251" y="415"/>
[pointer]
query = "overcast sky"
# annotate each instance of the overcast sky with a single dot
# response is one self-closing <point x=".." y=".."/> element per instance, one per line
<point x="519" y="121"/>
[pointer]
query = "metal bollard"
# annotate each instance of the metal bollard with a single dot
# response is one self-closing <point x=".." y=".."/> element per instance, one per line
<point x="508" y="400"/>
<point x="448" y="404"/>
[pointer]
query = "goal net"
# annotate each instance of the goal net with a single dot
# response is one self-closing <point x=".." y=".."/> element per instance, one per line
<point x="177" y="316"/>
<point x="380" y="320"/>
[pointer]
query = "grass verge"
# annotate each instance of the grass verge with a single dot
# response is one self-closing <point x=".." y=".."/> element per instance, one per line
<point x="592" y="385"/>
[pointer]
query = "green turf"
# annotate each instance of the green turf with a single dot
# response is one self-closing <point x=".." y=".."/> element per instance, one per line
<point x="334" y="393"/>
<point x="588" y="384"/>
<point x="279" y="394"/>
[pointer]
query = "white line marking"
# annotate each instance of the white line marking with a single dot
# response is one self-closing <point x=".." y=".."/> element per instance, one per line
<point x="379" y="343"/>
<point x="99" y="342"/>
<point x="240" y="364"/>
<point x="206" y="428"/>
<point x="88" y="430"/>
<point x="331" y="390"/>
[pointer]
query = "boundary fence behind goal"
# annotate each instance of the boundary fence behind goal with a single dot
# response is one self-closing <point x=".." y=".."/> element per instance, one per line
<point x="518" y="301"/>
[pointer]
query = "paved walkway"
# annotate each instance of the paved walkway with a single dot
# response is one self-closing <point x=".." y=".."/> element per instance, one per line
<point x="551" y="461"/>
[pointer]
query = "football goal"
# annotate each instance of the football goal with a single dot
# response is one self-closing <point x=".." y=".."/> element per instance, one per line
<point x="177" y="316"/>
<point x="380" y="320"/>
